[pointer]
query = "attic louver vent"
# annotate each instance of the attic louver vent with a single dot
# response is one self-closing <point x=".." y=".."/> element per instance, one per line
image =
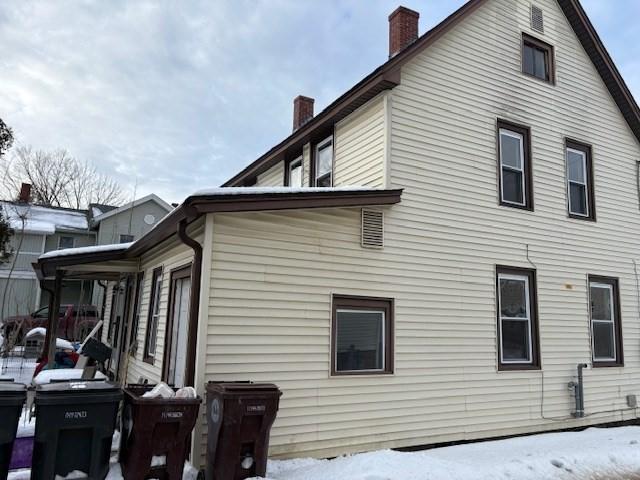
<point x="537" y="20"/>
<point x="372" y="228"/>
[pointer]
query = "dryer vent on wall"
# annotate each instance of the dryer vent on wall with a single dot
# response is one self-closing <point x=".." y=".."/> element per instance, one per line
<point x="372" y="228"/>
<point x="537" y="19"/>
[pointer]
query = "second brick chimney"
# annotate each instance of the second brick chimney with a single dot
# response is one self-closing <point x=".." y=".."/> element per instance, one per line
<point x="25" y="193"/>
<point x="403" y="29"/>
<point x="302" y="111"/>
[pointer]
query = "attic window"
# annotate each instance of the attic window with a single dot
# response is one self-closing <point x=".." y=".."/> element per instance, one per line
<point x="537" y="58"/>
<point x="537" y="19"/>
<point x="372" y="228"/>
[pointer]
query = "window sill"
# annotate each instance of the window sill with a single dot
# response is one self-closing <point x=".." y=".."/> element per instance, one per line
<point x="607" y="365"/>
<point x="526" y="208"/>
<point x="149" y="360"/>
<point x="361" y="375"/>
<point x="518" y="367"/>
<point x="581" y="218"/>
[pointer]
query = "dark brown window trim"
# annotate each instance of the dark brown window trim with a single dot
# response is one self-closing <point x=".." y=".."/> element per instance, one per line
<point x="617" y="328"/>
<point x="312" y="161"/>
<point x="528" y="168"/>
<point x="550" y="62"/>
<point x="133" y="336"/>
<point x="591" y="196"/>
<point x="535" y="329"/>
<point x="287" y="165"/>
<point x="176" y="274"/>
<point x="157" y="272"/>
<point x="364" y="303"/>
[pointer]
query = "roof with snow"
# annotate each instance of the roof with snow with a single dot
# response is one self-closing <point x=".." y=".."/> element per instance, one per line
<point x="43" y="220"/>
<point x="98" y="217"/>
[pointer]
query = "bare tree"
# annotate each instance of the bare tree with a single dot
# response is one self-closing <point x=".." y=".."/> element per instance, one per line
<point x="58" y="179"/>
<point x="6" y="138"/>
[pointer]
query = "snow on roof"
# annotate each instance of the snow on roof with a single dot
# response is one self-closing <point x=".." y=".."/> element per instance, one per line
<point x="65" y="252"/>
<point x="272" y="190"/>
<point x="45" y="220"/>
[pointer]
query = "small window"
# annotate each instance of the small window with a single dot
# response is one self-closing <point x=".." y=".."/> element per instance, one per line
<point x="537" y="58"/>
<point x="514" y="165"/>
<point x="517" y="319"/>
<point x="323" y="164"/>
<point x="133" y="338"/>
<point x="66" y="242"/>
<point x="153" y="316"/>
<point x="362" y="336"/>
<point x="580" y="193"/>
<point x="606" y="331"/>
<point x="293" y="172"/>
<point x="126" y="238"/>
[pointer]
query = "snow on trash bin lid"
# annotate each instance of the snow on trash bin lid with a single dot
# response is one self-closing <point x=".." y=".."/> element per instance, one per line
<point x="79" y="386"/>
<point x="9" y="388"/>
<point x="48" y="376"/>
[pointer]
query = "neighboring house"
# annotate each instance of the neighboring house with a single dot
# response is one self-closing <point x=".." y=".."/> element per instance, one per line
<point x="489" y="246"/>
<point x="39" y="229"/>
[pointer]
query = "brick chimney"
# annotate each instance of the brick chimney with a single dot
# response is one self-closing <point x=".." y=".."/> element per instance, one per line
<point x="403" y="29"/>
<point x="25" y="193"/>
<point x="302" y="111"/>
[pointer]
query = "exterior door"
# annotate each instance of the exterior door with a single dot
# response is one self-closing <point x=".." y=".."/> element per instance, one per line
<point x="178" y="327"/>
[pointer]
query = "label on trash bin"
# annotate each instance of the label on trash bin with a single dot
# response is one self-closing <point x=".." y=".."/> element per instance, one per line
<point x="75" y="415"/>
<point x="166" y="415"/>
<point x="256" y="409"/>
<point x="215" y="410"/>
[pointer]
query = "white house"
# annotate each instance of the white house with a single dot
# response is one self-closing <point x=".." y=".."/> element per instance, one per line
<point x="457" y="233"/>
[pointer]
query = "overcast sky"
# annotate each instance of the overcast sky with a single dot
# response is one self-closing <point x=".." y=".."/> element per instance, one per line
<point x="178" y="96"/>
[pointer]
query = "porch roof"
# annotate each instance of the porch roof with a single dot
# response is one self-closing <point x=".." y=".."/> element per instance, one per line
<point x="108" y="261"/>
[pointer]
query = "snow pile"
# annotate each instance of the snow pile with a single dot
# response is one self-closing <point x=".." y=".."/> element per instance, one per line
<point x="612" y="453"/>
<point x="115" y="247"/>
<point x="44" y="220"/>
<point x="58" y="374"/>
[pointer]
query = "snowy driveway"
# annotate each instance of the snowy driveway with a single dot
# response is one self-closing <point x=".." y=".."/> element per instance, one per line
<point x="594" y="454"/>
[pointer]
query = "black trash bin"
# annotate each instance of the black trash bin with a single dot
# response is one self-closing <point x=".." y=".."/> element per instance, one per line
<point x="155" y="427"/>
<point x="239" y="419"/>
<point x="74" y="428"/>
<point x="12" y="397"/>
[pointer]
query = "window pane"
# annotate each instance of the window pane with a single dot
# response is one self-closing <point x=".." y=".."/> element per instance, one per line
<point x="324" y="181"/>
<point x="295" y="175"/>
<point x="513" y="298"/>
<point x="359" y="340"/>
<point x="515" y="340"/>
<point x="540" y="64"/>
<point x="575" y="163"/>
<point x="578" y="198"/>
<point x="510" y="150"/>
<point x="512" y="186"/>
<point x="603" y="340"/>
<point x="601" y="303"/>
<point x="66" y="242"/>
<point x="528" y="60"/>
<point x="324" y="160"/>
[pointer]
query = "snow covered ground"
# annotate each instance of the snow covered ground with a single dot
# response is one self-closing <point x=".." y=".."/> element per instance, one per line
<point x="594" y="454"/>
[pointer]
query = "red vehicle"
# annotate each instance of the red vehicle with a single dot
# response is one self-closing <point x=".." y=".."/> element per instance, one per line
<point x="74" y="322"/>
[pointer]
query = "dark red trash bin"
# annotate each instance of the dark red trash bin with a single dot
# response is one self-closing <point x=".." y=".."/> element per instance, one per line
<point x="239" y="419"/>
<point x="155" y="427"/>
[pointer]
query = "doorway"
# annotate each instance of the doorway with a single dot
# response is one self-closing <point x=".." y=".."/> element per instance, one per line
<point x="177" y="335"/>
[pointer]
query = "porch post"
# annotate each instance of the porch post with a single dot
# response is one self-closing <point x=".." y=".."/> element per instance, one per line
<point x="54" y="316"/>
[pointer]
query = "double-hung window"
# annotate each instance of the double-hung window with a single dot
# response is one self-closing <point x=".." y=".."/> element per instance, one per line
<point x="515" y="165"/>
<point x="517" y="319"/>
<point x="133" y="338"/>
<point x="362" y="335"/>
<point x="580" y="194"/>
<point x="293" y="172"/>
<point x="153" y="316"/>
<point x="606" y="331"/>
<point x="323" y="164"/>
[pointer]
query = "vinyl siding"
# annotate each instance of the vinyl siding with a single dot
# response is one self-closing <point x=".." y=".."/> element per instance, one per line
<point x="273" y="273"/>
<point x="274" y="177"/>
<point x="360" y="146"/>
<point x="170" y="256"/>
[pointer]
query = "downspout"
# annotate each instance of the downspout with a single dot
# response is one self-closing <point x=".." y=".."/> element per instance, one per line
<point x="194" y="300"/>
<point x="50" y="291"/>
<point x="54" y="317"/>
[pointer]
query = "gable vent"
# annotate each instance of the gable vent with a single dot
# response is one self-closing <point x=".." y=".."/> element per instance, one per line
<point x="537" y="20"/>
<point x="372" y="228"/>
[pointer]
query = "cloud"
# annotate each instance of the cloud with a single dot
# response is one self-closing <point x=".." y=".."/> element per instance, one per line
<point x="176" y="96"/>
